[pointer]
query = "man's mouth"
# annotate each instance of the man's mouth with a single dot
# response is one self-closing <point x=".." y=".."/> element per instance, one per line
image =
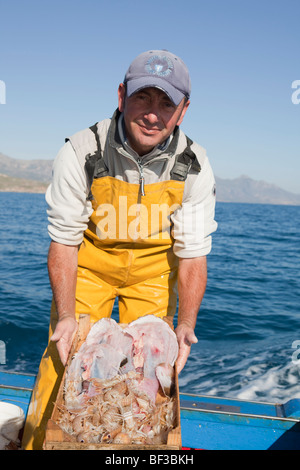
<point x="149" y="130"/>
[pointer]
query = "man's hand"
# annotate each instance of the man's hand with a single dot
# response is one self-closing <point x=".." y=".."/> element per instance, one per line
<point x="62" y="266"/>
<point x="63" y="336"/>
<point x="185" y="337"/>
<point x="192" y="275"/>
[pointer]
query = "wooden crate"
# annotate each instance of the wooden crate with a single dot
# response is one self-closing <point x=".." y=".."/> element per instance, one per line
<point x="57" y="439"/>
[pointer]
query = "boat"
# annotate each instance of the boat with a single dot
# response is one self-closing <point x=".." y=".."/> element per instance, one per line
<point x="207" y="422"/>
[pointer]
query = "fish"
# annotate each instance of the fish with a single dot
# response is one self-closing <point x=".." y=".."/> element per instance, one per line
<point x="117" y="372"/>
<point x="109" y="350"/>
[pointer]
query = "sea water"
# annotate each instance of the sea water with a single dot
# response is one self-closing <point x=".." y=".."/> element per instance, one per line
<point x="249" y="322"/>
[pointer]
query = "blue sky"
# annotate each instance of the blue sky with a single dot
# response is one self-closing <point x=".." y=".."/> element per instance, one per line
<point x="62" y="62"/>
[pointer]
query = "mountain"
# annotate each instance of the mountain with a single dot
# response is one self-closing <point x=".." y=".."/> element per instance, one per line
<point x="21" y="185"/>
<point x="35" y="175"/>
<point x="39" y="170"/>
<point x="245" y="189"/>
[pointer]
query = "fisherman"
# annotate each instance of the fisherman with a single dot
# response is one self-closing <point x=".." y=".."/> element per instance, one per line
<point x="131" y="212"/>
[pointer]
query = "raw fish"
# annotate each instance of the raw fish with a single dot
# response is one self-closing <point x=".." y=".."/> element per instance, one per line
<point x="109" y="350"/>
<point x="112" y="382"/>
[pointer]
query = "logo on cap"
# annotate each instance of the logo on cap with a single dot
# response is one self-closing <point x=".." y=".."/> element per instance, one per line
<point x="159" y="65"/>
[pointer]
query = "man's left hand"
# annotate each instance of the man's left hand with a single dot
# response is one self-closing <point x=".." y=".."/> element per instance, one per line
<point x="185" y="337"/>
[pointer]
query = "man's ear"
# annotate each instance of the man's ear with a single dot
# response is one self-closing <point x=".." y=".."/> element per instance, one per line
<point x="121" y="97"/>
<point x="184" y="110"/>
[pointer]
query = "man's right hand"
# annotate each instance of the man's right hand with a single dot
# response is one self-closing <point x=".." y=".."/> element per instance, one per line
<point x="62" y="266"/>
<point x="63" y="335"/>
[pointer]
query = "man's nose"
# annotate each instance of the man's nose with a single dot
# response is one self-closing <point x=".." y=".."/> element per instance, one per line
<point x="152" y="114"/>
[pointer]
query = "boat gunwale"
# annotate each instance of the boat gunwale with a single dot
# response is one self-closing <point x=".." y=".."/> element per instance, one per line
<point x="233" y="413"/>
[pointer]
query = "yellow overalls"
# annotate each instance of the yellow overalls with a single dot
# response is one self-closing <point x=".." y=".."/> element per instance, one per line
<point x="126" y="253"/>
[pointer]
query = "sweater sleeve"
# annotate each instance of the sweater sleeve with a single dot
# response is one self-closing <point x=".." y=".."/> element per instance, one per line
<point x="193" y="222"/>
<point x="68" y="208"/>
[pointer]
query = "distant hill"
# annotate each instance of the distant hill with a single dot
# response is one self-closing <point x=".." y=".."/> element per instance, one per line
<point x="21" y="185"/>
<point x="245" y="189"/>
<point x="39" y="170"/>
<point x="35" y="175"/>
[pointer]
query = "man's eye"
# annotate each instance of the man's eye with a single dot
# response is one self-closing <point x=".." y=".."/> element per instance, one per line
<point x="169" y="105"/>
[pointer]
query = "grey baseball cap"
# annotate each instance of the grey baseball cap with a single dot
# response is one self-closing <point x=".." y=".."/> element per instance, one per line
<point x="160" y="69"/>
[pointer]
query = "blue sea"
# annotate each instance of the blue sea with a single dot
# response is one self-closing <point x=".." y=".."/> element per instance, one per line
<point x="249" y="322"/>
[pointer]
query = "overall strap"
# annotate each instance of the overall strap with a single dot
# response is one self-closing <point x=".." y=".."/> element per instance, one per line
<point x="184" y="162"/>
<point x="94" y="164"/>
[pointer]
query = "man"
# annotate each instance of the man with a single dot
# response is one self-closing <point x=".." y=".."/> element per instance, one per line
<point x="131" y="212"/>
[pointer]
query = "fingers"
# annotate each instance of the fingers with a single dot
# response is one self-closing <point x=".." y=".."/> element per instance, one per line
<point x="63" y="336"/>
<point x="55" y="337"/>
<point x="190" y="339"/>
<point x="185" y="337"/>
<point x="183" y="355"/>
<point x="63" y="349"/>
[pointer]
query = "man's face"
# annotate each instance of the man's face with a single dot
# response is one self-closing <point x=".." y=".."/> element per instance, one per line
<point x="150" y="117"/>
